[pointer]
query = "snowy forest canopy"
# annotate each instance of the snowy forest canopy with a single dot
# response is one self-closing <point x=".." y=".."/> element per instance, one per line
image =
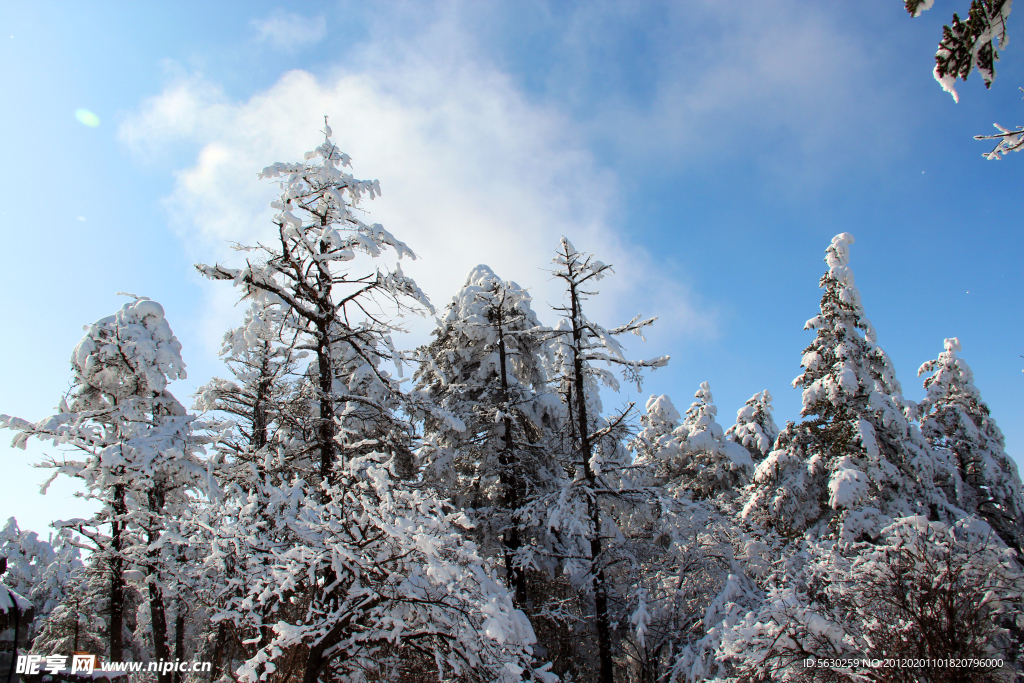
<point x="337" y="508"/>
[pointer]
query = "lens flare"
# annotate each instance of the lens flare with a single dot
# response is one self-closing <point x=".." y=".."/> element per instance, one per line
<point x="87" y="117"/>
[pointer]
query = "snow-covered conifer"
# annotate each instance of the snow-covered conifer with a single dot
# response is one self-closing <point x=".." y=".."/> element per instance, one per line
<point x="260" y="355"/>
<point x="921" y="590"/>
<point x="688" y="568"/>
<point x="982" y="479"/>
<point x="407" y="587"/>
<point x="695" y="456"/>
<point x="38" y="570"/>
<point x="755" y="428"/>
<point x="486" y="444"/>
<point x="138" y="457"/>
<point x="582" y="515"/>
<point x="859" y="460"/>
<point x="79" y="620"/>
<point x="265" y="434"/>
<point x="346" y="570"/>
<point x="337" y="310"/>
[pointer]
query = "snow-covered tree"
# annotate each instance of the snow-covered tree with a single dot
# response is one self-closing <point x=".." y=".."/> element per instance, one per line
<point x="337" y="311"/>
<point x="78" y="622"/>
<point x="691" y="577"/>
<point x="42" y="571"/>
<point x="265" y="435"/>
<point x="138" y="458"/>
<point x="486" y="445"/>
<point x="581" y="516"/>
<point x="859" y="460"/>
<point x="845" y="490"/>
<point x="695" y="457"/>
<point x="982" y="479"/>
<point x="755" y="427"/>
<point x="407" y="587"/>
<point x="680" y="578"/>
<point x="346" y="570"/>
<point x="265" y="405"/>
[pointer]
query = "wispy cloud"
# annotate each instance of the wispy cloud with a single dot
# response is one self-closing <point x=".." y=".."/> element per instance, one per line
<point x="785" y="86"/>
<point x="471" y="171"/>
<point x="289" y="31"/>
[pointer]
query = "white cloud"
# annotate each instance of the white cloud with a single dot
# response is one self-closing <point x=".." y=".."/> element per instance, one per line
<point x="471" y="172"/>
<point x="290" y="31"/>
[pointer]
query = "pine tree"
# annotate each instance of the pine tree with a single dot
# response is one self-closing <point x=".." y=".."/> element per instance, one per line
<point x="487" y="447"/>
<point x="264" y="443"/>
<point x="357" y="574"/>
<point x="581" y="515"/>
<point x="974" y="44"/>
<point x="697" y="458"/>
<point x="981" y="478"/>
<point x="689" y="579"/>
<point x="859" y="460"/>
<point x="265" y="405"/>
<point x="843" y="488"/>
<point x="324" y="300"/>
<point x="41" y="571"/>
<point x="755" y="428"/>
<point x="139" y="457"/>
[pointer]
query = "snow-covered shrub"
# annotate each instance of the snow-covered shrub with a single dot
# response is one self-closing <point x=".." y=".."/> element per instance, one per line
<point x="927" y="590"/>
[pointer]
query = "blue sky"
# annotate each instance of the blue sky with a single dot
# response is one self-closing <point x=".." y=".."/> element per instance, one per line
<point x="709" y="150"/>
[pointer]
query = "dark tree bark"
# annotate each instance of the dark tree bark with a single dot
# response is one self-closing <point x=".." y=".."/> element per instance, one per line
<point x="509" y="475"/>
<point x="116" y="565"/>
<point x="603" y="624"/>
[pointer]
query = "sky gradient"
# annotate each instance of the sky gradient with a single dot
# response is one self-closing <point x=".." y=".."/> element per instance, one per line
<point x="708" y="150"/>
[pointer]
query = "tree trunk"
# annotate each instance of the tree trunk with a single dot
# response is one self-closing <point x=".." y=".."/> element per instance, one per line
<point x="314" y="664"/>
<point x="157" y="609"/>
<point x="115" y="646"/>
<point x="260" y="419"/>
<point x="509" y="479"/>
<point x="179" y="636"/>
<point x="326" y="429"/>
<point x="158" y="619"/>
<point x="604" y="640"/>
<point x="218" y="650"/>
<point x="77" y="625"/>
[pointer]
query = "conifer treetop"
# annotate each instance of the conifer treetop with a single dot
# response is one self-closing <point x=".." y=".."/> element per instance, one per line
<point x="844" y="362"/>
<point x="319" y="232"/>
<point x="859" y="460"/>
<point x="981" y="478"/>
<point x="755" y="428"/>
<point x="129" y="353"/>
